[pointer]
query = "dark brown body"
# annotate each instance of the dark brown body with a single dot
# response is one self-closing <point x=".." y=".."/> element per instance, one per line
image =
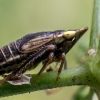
<point x="49" y="47"/>
<point x="12" y="54"/>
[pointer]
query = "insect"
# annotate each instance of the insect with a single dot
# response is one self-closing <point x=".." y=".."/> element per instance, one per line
<point x="34" y="48"/>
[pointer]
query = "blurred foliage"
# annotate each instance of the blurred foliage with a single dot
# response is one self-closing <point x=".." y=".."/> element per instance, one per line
<point x="19" y="17"/>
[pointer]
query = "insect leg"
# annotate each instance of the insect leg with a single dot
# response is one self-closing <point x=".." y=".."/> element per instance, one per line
<point x="62" y="57"/>
<point x="65" y="64"/>
<point x="10" y="77"/>
<point x="33" y="57"/>
<point x="48" y="61"/>
<point x="20" y="70"/>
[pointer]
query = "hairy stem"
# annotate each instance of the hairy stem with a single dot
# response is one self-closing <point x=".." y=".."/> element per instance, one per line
<point x="75" y="76"/>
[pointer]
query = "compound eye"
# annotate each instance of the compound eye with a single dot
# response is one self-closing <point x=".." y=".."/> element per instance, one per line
<point x="69" y="34"/>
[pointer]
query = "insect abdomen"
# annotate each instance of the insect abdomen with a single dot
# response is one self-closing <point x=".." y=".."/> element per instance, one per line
<point x="9" y="55"/>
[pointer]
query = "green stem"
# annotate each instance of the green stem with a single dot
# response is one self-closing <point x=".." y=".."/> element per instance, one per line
<point x="94" y="25"/>
<point x="75" y="76"/>
<point x="99" y="43"/>
<point x="95" y="29"/>
<point x="98" y="24"/>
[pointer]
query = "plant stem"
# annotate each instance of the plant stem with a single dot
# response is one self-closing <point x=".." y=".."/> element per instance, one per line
<point x="95" y="29"/>
<point x="94" y="25"/>
<point x="98" y="24"/>
<point x="75" y="76"/>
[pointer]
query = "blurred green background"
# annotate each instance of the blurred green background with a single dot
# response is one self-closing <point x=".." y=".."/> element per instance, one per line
<point x="19" y="17"/>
